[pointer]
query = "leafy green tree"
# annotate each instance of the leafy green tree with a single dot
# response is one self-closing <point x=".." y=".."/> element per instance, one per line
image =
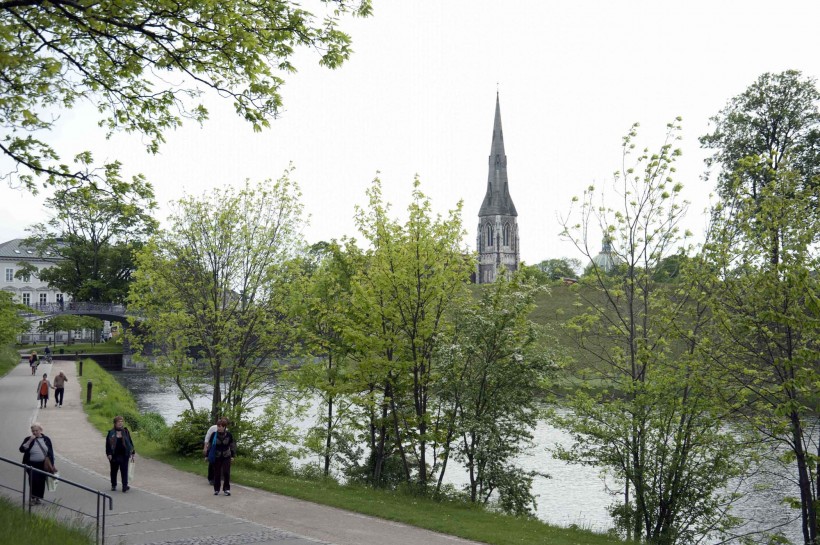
<point x="63" y="322"/>
<point x="556" y="269"/>
<point x="92" y="235"/>
<point x="321" y="308"/>
<point x="763" y="258"/>
<point x="414" y="273"/>
<point x="11" y="323"/>
<point x="647" y="416"/>
<point x="492" y="363"/>
<point x="211" y="291"/>
<point x="57" y="54"/>
<point x="774" y="124"/>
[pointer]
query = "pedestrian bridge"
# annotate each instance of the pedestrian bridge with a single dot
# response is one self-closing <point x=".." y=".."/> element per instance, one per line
<point x="113" y="312"/>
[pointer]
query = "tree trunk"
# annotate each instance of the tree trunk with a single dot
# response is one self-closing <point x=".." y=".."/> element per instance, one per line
<point x="808" y="512"/>
<point x="328" y="431"/>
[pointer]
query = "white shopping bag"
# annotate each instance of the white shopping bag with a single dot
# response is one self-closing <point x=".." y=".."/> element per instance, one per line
<point x="131" y="468"/>
<point x="51" y="482"/>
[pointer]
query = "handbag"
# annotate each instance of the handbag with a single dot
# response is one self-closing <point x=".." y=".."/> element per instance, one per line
<point x="47" y="465"/>
<point x="132" y="465"/>
<point x="212" y="450"/>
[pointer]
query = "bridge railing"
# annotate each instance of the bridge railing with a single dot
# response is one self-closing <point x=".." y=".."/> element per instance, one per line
<point x="99" y="516"/>
<point x="78" y="306"/>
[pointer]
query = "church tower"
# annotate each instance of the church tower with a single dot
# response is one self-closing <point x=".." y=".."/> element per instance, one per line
<point x="497" y="240"/>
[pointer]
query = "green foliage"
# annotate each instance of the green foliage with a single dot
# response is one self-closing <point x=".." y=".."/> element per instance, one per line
<point x="413" y="274"/>
<point x="11" y="324"/>
<point x="59" y="54"/>
<point x="22" y="528"/>
<point x="556" y="269"/>
<point x="649" y="417"/>
<point x="92" y="235"/>
<point x="773" y="124"/>
<point x="187" y="435"/>
<point x="491" y="368"/>
<point x="212" y="292"/>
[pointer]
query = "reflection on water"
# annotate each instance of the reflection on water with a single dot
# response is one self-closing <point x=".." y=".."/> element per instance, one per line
<point x="573" y="495"/>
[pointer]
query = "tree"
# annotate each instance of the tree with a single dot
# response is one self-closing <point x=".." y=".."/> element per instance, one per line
<point x="413" y="274"/>
<point x="773" y="124"/>
<point x="62" y="322"/>
<point x="564" y="267"/>
<point x="322" y="311"/>
<point x="11" y="323"/>
<point x="143" y="64"/>
<point x="92" y="236"/>
<point x="763" y="254"/>
<point x="210" y="291"/>
<point x="492" y="363"/>
<point x="647" y="417"/>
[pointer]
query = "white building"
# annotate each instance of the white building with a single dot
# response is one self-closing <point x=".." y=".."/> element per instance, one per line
<point x="31" y="291"/>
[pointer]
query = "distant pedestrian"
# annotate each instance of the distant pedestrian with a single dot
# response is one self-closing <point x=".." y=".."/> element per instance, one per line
<point x="48" y="354"/>
<point x="42" y="390"/>
<point x="33" y="362"/>
<point x="39" y="454"/>
<point x="206" y="447"/>
<point x="120" y="450"/>
<point x="59" y="388"/>
<point x="224" y="452"/>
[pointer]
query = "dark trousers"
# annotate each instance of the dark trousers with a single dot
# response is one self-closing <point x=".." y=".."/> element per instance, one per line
<point x="210" y="472"/>
<point x="58" y="396"/>
<point x="37" y="480"/>
<point x="119" y="463"/>
<point x="222" y="472"/>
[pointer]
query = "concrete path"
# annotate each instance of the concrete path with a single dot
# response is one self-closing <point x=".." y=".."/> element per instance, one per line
<point x="166" y="506"/>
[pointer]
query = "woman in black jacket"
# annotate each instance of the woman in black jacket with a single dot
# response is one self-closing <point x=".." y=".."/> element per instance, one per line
<point x="36" y="449"/>
<point x="224" y="448"/>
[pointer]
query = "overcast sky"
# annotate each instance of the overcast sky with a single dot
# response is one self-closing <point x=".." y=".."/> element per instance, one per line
<point x="418" y="97"/>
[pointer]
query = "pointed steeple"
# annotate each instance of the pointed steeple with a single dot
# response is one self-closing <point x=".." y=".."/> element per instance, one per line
<point x="497" y="200"/>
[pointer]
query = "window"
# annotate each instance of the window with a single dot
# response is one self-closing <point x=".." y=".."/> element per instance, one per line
<point x="26" y="278"/>
<point x="489" y="235"/>
<point x="9" y="275"/>
<point x="506" y="234"/>
<point x="43" y="298"/>
<point x="27" y="299"/>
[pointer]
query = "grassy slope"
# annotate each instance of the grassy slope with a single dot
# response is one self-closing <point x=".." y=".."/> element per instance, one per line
<point x="8" y="359"/>
<point x="110" y="399"/>
<point x="20" y="528"/>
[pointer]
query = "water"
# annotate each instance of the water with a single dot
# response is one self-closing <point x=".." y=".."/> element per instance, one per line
<point x="573" y="495"/>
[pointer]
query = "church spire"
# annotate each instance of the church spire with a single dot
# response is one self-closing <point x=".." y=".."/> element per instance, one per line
<point x="497" y="200"/>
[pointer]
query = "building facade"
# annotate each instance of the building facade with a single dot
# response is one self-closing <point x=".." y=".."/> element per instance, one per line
<point x="29" y="290"/>
<point x="497" y="241"/>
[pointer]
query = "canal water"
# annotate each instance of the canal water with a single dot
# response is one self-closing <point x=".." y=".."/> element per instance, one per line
<point x="572" y="495"/>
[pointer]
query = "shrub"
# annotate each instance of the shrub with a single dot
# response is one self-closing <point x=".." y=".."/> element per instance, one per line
<point x="188" y="433"/>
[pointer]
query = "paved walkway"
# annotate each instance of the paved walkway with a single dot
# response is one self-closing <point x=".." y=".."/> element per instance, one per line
<point x="166" y="506"/>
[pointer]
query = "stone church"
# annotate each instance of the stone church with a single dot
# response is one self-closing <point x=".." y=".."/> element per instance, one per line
<point x="497" y="241"/>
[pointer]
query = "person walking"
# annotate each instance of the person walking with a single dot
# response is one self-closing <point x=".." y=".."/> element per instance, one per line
<point x="223" y="452"/>
<point x="120" y="450"/>
<point x="33" y="362"/>
<point x="48" y="354"/>
<point x="59" y="388"/>
<point x="206" y="446"/>
<point x="39" y="454"/>
<point x="42" y="390"/>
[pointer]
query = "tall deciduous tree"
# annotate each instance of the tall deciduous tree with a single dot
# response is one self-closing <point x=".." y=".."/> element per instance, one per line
<point x="212" y="288"/>
<point x="321" y="308"/>
<point x="492" y="363"/>
<point x="648" y="418"/>
<point x="92" y="235"/>
<point x="763" y="251"/>
<point x="145" y="63"/>
<point x="414" y="273"/>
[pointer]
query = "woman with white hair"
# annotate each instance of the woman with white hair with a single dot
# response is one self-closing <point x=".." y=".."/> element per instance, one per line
<point x="39" y="454"/>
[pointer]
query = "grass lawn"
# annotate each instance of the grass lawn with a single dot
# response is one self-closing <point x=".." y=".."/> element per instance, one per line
<point x="9" y="358"/>
<point x="21" y="528"/>
<point x="454" y="518"/>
